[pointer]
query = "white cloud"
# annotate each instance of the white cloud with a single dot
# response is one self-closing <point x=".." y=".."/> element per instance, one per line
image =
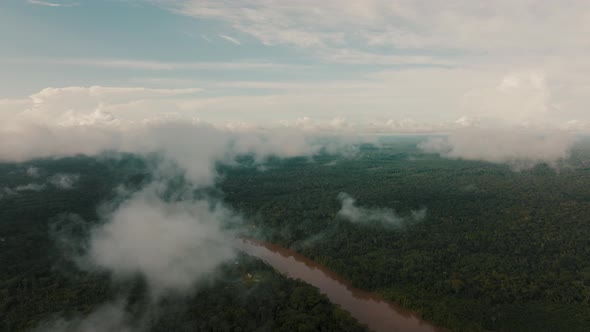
<point x="77" y="120"/>
<point x="12" y="105"/>
<point x="518" y="146"/>
<point x="6" y="192"/>
<point x="33" y="172"/>
<point x="517" y="26"/>
<point x="135" y="64"/>
<point x="171" y="244"/>
<point x="60" y="181"/>
<point x="230" y="39"/>
<point x="30" y="187"/>
<point x="481" y="48"/>
<point x="380" y="216"/>
<point x="64" y="181"/>
<point x="49" y="4"/>
<point x="73" y="120"/>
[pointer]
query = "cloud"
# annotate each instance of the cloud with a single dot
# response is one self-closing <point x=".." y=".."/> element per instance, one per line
<point x="170" y="241"/>
<point x="544" y="92"/>
<point x="30" y="187"/>
<point x="6" y="192"/>
<point x="171" y="244"/>
<point x="33" y="171"/>
<point x="91" y="120"/>
<point x="49" y="4"/>
<point x="78" y="120"/>
<point x="230" y="39"/>
<point x="138" y="64"/>
<point x="518" y="146"/>
<point x="463" y="56"/>
<point x="406" y="25"/>
<point x="381" y="216"/>
<point x="60" y="181"/>
<point x="64" y="181"/>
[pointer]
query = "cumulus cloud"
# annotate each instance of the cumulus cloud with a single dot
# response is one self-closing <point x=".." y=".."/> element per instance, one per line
<point x="383" y="216"/>
<point x="510" y="123"/>
<point x="70" y="121"/>
<point x="519" y="147"/>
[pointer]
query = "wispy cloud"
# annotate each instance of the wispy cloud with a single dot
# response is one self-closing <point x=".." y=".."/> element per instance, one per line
<point x="464" y="25"/>
<point x="151" y="65"/>
<point x="383" y="216"/>
<point x="230" y="39"/>
<point x="50" y="4"/>
<point x="352" y="31"/>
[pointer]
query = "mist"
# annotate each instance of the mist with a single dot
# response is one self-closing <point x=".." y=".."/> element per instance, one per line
<point x="170" y="244"/>
<point x="370" y="216"/>
<point x="521" y="148"/>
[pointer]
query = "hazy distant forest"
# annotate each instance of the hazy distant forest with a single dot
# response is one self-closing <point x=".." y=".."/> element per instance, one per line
<point x="497" y="249"/>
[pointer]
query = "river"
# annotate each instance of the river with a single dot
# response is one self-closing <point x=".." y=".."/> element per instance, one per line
<point x="368" y="308"/>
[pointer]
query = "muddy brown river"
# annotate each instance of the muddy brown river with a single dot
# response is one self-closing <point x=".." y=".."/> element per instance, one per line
<point x="368" y="308"/>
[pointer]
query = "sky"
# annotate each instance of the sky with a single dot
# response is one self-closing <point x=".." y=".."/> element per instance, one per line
<point x="414" y="65"/>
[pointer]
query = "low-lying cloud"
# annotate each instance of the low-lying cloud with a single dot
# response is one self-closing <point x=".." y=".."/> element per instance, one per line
<point x="171" y="244"/>
<point x="61" y="181"/>
<point x="520" y="147"/>
<point x="64" y="181"/>
<point x="383" y="216"/>
<point x="33" y="172"/>
<point x="30" y="187"/>
<point x="7" y="192"/>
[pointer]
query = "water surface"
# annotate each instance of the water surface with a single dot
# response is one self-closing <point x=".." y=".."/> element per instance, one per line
<point x="368" y="308"/>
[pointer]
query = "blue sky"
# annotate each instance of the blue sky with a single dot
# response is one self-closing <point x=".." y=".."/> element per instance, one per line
<point x="62" y="43"/>
<point x="46" y="42"/>
<point x="270" y="60"/>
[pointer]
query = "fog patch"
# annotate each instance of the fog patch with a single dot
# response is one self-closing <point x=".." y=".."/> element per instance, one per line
<point x="7" y="192"/>
<point x="33" y="172"/>
<point x="69" y="232"/>
<point x="31" y="187"/>
<point x="59" y="181"/>
<point x="64" y="181"/>
<point x="171" y="244"/>
<point x="384" y="216"/>
<point x="522" y="149"/>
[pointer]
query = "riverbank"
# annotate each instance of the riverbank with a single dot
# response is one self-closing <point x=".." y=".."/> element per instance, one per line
<point x="368" y="308"/>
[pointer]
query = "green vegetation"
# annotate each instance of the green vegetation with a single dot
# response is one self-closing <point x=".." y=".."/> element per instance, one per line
<point x="252" y="297"/>
<point x="39" y="283"/>
<point x="499" y="250"/>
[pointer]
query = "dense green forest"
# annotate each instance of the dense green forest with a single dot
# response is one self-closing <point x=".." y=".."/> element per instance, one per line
<point x="39" y="283"/>
<point x="499" y="249"/>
